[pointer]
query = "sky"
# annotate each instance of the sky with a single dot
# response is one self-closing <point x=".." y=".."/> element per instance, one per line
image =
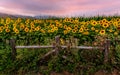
<point x="60" y="7"/>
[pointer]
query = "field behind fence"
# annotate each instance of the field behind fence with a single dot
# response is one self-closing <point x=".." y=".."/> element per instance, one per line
<point x="77" y="45"/>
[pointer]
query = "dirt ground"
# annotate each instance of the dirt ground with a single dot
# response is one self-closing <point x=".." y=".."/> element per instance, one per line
<point x="115" y="72"/>
<point x="100" y="72"/>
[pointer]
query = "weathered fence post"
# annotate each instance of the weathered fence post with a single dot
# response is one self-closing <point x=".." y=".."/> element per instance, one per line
<point x="12" y="44"/>
<point x="57" y="40"/>
<point x="55" y="51"/>
<point x="106" y="51"/>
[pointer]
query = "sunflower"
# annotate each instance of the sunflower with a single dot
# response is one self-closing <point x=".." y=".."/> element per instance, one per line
<point x="74" y="30"/>
<point x="82" y="26"/>
<point x="67" y="20"/>
<point x="85" y="33"/>
<point x="85" y="28"/>
<point x="52" y="26"/>
<point x="105" y="25"/>
<point x="22" y="26"/>
<point x="14" y="25"/>
<point x="55" y="28"/>
<point x="98" y="22"/>
<point x="75" y="26"/>
<point x="115" y="33"/>
<point x="118" y="20"/>
<point x="0" y="31"/>
<point x="87" y="23"/>
<point x="7" y="30"/>
<point x="43" y="31"/>
<point x="1" y="27"/>
<point x="31" y="30"/>
<point x="102" y="32"/>
<point x="27" y="21"/>
<point x="32" y="26"/>
<point x="49" y="31"/>
<point x="104" y="20"/>
<point x="68" y="28"/>
<point x="110" y="22"/>
<point x="8" y="20"/>
<point x="115" y="24"/>
<point x="31" y="23"/>
<point x="16" y="31"/>
<point x="60" y="25"/>
<point x="19" y="19"/>
<point x="96" y="31"/>
<point x="83" y="23"/>
<point x="94" y="23"/>
<point x="65" y="32"/>
<point x="81" y="29"/>
<point x="101" y="22"/>
<point x="6" y="26"/>
<point x="56" y="21"/>
<point x="111" y="30"/>
<point x="37" y="28"/>
<point x="92" y="28"/>
<point x="76" y="20"/>
<point x="65" y="26"/>
<point x="52" y="30"/>
<point x="26" y="29"/>
<point x="14" y="28"/>
<point x="2" y="21"/>
<point x="57" y="24"/>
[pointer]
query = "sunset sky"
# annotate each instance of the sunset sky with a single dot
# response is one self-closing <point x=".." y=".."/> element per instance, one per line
<point x="60" y="7"/>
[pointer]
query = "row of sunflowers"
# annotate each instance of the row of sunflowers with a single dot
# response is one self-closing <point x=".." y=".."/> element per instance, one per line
<point x="64" y="27"/>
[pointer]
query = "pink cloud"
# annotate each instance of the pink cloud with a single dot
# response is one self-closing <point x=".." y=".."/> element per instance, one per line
<point x="60" y="7"/>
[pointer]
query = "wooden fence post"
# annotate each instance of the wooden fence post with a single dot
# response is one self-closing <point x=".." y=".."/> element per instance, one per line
<point x="12" y="44"/>
<point x="57" y="40"/>
<point x="55" y="50"/>
<point x="106" y="51"/>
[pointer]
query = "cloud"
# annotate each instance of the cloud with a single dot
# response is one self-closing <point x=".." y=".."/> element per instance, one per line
<point x="60" y="7"/>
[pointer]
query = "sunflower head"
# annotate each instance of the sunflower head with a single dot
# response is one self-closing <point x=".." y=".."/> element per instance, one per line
<point x="7" y="30"/>
<point x="37" y="28"/>
<point x="96" y="31"/>
<point x="55" y="28"/>
<point x="102" y="32"/>
<point x="104" y="20"/>
<point x="16" y="31"/>
<point x="68" y="28"/>
<point x="92" y="28"/>
<point x="74" y="30"/>
<point x="22" y="26"/>
<point x="116" y="33"/>
<point x="81" y="30"/>
<point x="42" y="30"/>
<point x="105" y="25"/>
<point x="86" y="33"/>
<point x="94" y="23"/>
<point x="26" y="29"/>
<point x="65" y="32"/>
<point x="65" y="26"/>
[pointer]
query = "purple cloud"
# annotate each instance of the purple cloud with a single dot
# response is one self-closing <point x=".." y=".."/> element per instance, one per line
<point x="60" y="7"/>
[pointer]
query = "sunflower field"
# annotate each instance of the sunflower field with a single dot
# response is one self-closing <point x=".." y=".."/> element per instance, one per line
<point x="43" y="31"/>
<point x="65" y="27"/>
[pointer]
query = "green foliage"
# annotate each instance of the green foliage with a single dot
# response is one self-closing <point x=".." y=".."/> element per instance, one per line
<point x="78" y="62"/>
